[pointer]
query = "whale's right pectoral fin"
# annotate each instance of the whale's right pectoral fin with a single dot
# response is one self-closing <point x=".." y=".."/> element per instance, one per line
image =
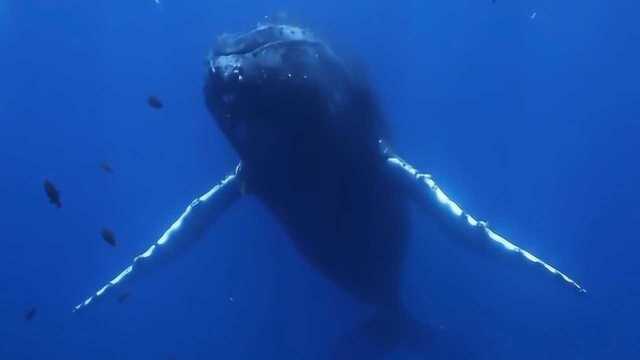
<point x="433" y="199"/>
<point x="201" y="212"/>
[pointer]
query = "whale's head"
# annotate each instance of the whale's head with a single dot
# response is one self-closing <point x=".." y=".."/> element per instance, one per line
<point x="277" y="91"/>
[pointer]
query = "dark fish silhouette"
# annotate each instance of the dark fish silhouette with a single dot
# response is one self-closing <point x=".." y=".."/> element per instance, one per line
<point x="30" y="314"/>
<point x="52" y="193"/>
<point x="108" y="236"/>
<point x="106" y="167"/>
<point x="155" y="102"/>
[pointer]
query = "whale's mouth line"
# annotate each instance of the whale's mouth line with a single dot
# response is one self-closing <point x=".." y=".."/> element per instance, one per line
<point x="258" y="47"/>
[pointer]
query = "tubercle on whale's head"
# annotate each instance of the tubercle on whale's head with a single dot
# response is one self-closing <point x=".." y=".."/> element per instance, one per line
<point x="265" y="54"/>
<point x="268" y="87"/>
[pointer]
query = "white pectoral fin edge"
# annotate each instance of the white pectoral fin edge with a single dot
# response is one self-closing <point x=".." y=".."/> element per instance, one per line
<point x="439" y="202"/>
<point x="201" y="212"/>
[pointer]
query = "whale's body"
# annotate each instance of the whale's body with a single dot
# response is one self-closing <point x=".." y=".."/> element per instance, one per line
<point x="307" y="133"/>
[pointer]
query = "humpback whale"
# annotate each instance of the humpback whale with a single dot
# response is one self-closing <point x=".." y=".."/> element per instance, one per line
<point x="314" y="148"/>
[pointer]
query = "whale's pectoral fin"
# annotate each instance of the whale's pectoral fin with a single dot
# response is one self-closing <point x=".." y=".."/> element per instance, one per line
<point x="438" y="204"/>
<point x="189" y="226"/>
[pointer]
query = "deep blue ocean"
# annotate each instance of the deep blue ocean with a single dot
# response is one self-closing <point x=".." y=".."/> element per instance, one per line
<point x="526" y="112"/>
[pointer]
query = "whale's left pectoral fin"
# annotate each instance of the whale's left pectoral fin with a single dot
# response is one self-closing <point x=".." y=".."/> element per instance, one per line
<point x="431" y="197"/>
<point x="189" y="226"/>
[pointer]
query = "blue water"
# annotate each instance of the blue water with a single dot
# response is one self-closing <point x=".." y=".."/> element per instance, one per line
<point x="527" y="112"/>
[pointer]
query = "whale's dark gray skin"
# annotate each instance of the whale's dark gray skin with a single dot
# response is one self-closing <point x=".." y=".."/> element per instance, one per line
<point x="307" y="133"/>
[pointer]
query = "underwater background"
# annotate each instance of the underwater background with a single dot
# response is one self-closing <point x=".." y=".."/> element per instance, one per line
<point x="526" y="112"/>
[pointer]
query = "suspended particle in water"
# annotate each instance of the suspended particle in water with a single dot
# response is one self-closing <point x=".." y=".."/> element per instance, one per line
<point x="123" y="297"/>
<point x="30" y="313"/>
<point x="106" y="167"/>
<point x="155" y="102"/>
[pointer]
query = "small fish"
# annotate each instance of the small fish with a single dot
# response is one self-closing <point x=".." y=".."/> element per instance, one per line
<point x="123" y="297"/>
<point x="155" y="102"/>
<point x="30" y="314"/>
<point x="106" y="167"/>
<point x="52" y="193"/>
<point x="108" y="236"/>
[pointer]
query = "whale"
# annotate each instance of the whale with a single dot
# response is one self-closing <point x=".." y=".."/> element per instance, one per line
<point x="315" y="148"/>
<point x="307" y="133"/>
